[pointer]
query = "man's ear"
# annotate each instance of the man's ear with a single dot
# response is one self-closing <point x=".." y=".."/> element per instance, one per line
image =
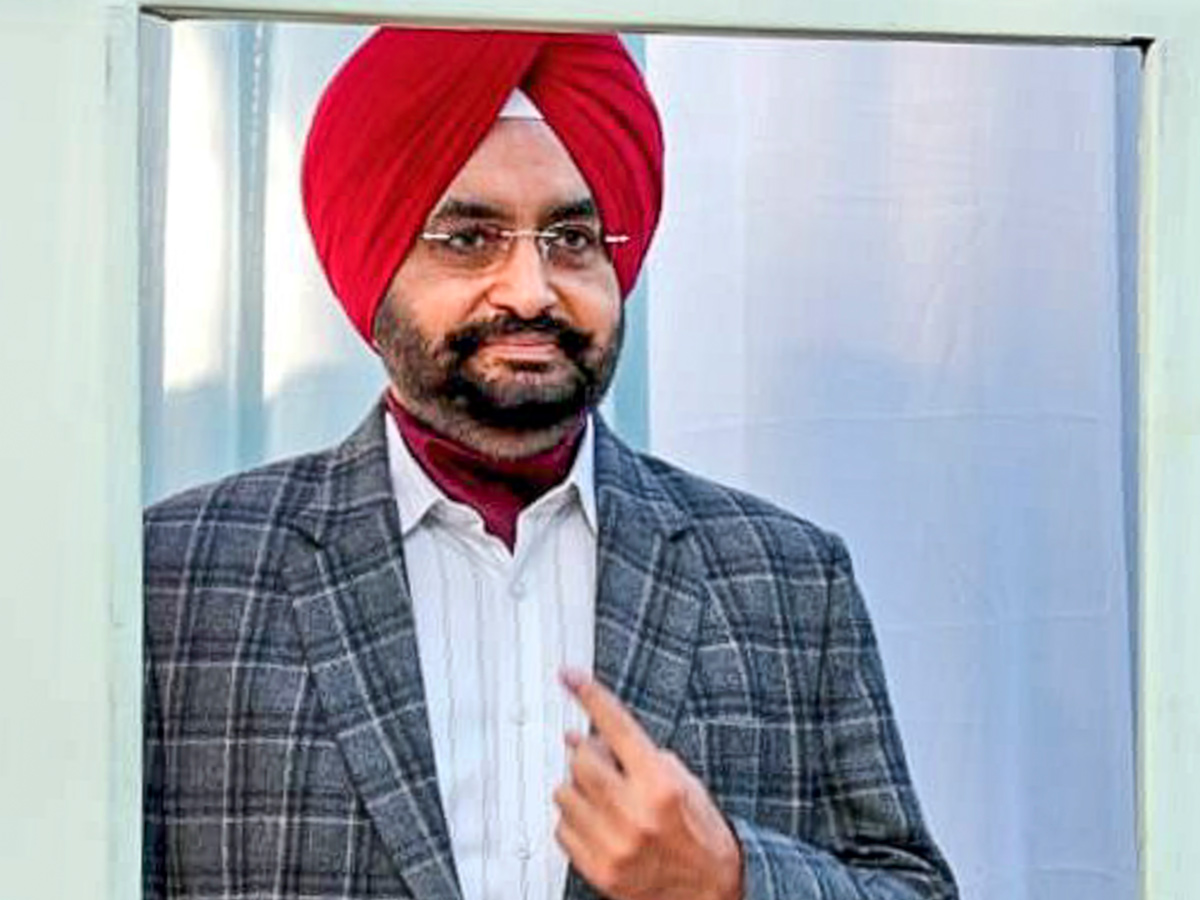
<point x="376" y="321"/>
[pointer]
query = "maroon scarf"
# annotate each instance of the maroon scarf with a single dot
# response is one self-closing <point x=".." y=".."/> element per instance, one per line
<point x="498" y="489"/>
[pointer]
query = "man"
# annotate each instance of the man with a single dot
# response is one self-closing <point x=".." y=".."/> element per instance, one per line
<point x="353" y="657"/>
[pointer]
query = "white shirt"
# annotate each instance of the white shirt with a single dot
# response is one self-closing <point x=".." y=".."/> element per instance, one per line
<point x="493" y="630"/>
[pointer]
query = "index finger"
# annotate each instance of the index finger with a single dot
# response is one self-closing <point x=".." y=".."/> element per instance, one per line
<point x="614" y="723"/>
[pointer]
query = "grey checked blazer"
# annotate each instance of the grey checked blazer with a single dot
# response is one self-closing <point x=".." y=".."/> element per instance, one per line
<point x="288" y="752"/>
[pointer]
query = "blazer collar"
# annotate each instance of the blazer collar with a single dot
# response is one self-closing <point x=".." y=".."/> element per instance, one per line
<point x="354" y="615"/>
<point x="628" y="483"/>
<point x="355" y="477"/>
<point x="349" y="480"/>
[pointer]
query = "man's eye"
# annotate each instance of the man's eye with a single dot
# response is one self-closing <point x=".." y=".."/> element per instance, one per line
<point x="575" y="238"/>
<point x="469" y="240"/>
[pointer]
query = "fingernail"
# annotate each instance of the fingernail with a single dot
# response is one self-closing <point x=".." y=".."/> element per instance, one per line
<point x="572" y="679"/>
<point x="573" y="738"/>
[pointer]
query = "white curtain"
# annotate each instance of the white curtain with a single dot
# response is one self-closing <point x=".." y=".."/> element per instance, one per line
<point x="888" y="294"/>
<point x="891" y="292"/>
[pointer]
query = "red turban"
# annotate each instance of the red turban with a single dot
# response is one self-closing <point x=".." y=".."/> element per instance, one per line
<point x="409" y="107"/>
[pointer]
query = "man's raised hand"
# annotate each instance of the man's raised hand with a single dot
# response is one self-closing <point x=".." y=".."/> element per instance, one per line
<point x="633" y="820"/>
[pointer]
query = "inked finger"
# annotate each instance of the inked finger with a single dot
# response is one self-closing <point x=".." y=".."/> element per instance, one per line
<point x="630" y="744"/>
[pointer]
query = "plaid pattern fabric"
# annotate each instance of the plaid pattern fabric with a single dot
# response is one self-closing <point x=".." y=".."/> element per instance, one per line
<point x="288" y="751"/>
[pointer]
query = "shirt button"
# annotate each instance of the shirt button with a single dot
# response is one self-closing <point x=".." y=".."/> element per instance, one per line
<point x="523" y="852"/>
<point x="518" y="716"/>
<point x="517" y="588"/>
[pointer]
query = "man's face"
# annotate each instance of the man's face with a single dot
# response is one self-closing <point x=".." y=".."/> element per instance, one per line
<point x="522" y="343"/>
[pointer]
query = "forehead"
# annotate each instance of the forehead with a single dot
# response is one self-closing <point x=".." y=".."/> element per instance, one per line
<point x="520" y="165"/>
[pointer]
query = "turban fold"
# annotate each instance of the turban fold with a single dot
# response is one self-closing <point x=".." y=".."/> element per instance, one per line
<point x="408" y="108"/>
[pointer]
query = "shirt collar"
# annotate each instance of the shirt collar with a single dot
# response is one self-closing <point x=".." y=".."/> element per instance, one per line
<point x="416" y="494"/>
<point x="582" y="475"/>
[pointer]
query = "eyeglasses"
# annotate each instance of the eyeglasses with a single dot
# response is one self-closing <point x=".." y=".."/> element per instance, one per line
<point x="480" y="246"/>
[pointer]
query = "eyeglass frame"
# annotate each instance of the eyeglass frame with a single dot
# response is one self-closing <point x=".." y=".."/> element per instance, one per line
<point x="540" y="236"/>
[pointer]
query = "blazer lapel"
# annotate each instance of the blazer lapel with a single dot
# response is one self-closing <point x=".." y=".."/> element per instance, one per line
<point x="650" y="595"/>
<point x="650" y="592"/>
<point x="354" y="615"/>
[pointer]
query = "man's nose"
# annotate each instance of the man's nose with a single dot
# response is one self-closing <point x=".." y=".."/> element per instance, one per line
<point x="521" y="284"/>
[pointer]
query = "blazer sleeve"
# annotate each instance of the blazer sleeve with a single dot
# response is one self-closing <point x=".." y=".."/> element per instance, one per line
<point x="871" y="842"/>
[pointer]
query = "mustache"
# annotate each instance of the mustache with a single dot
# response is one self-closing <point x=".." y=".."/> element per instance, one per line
<point x="465" y="341"/>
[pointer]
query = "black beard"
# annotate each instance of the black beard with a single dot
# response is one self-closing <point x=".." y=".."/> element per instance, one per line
<point x="440" y="379"/>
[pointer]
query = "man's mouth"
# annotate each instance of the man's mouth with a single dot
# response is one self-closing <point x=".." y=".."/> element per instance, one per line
<point x="531" y="346"/>
<point x="539" y="340"/>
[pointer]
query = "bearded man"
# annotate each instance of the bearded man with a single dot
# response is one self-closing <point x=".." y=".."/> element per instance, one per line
<point x="482" y="649"/>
